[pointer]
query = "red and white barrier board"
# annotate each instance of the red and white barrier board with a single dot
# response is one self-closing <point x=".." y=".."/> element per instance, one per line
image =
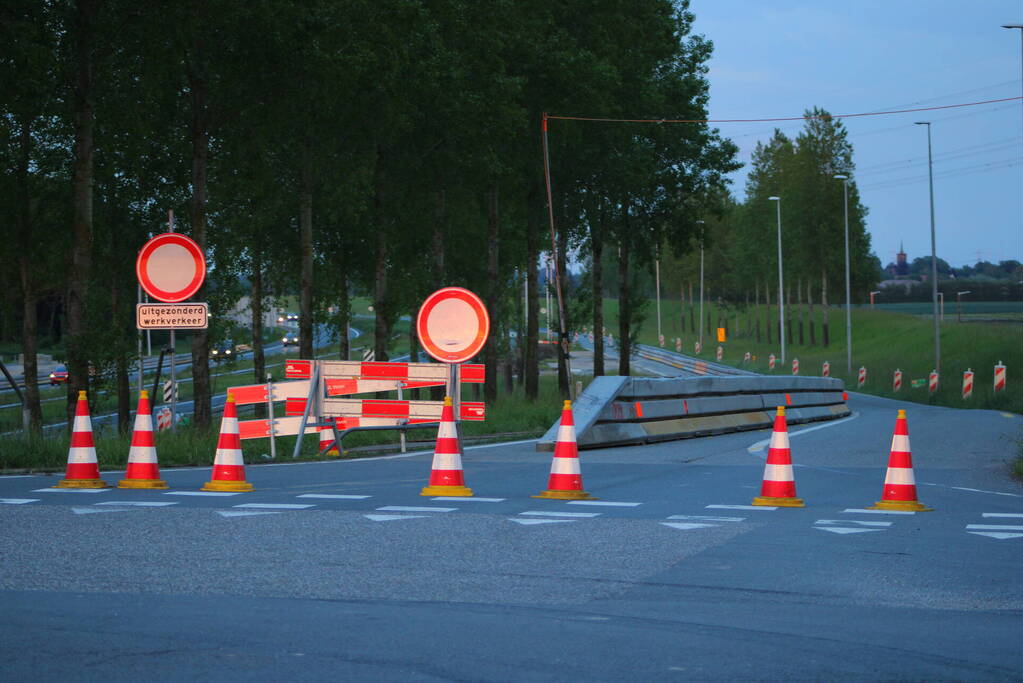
<point x="678" y="345"/>
<point x="999" y="377"/>
<point x="696" y="346"/>
<point x="746" y="357"/>
<point x="967" y="383"/>
<point x="795" y="366"/>
<point x="897" y="380"/>
<point x="770" y="362"/>
<point x="932" y="382"/>
<point x="826" y="369"/>
<point x="861" y="377"/>
<point x="720" y="353"/>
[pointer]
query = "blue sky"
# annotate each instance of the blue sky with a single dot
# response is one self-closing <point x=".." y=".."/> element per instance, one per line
<point x="781" y="57"/>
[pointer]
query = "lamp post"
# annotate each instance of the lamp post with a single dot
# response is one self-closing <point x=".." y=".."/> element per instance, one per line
<point x="1019" y="26"/>
<point x="876" y="291"/>
<point x="781" y="284"/>
<point x="934" y="254"/>
<point x="701" y="224"/>
<point x="848" y="288"/>
<point x="959" y="304"/>
<point x="657" y="286"/>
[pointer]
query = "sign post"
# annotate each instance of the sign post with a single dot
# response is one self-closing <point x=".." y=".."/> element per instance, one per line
<point x="171" y="268"/>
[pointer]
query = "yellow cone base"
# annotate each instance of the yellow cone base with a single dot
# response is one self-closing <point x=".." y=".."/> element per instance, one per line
<point x="142" y="484"/>
<point x="565" y="495"/>
<point x="233" y="486"/>
<point x="332" y="451"/>
<point x="779" y="502"/>
<point x="82" y="484"/>
<point x="904" y="505"/>
<point x="463" y="491"/>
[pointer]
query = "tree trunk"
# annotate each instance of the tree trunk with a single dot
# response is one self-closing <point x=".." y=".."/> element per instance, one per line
<point x="597" y="255"/>
<point x="200" y="132"/>
<point x="692" y="310"/>
<point x="767" y="312"/>
<point x="564" y="324"/>
<point x="825" y="326"/>
<point x="123" y="388"/>
<point x="344" y="310"/>
<point x="788" y="314"/>
<point x="532" y="361"/>
<point x="256" y="305"/>
<point x="624" y="312"/>
<point x="490" y="351"/>
<point x="809" y="303"/>
<point x="30" y="295"/>
<point x="81" y="191"/>
<point x="437" y="242"/>
<point x="802" y="316"/>
<point x="305" y="242"/>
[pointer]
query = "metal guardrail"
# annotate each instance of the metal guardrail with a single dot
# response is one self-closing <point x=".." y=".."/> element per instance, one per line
<point x="634" y="410"/>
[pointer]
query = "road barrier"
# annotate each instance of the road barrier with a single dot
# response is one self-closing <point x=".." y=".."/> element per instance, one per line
<point x="636" y="410"/>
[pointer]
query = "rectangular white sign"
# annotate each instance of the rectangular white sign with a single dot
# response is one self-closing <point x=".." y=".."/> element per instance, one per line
<point x="172" y="316"/>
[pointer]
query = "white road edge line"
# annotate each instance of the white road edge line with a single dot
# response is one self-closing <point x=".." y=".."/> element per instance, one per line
<point x="759" y="445"/>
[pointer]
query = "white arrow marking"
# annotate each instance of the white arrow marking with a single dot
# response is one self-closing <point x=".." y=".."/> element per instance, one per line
<point x="1000" y="535"/>
<point x="530" y="522"/>
<point x="243" y="513"/>
<point x="686" y="526"/>
<point x="92" y="511"/>
<point x="18" y="501"/>
<point x="391" y="518"/>
<point x="843" y="530"/>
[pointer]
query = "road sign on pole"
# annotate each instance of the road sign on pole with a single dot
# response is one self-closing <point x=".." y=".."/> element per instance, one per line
<point x="453" y="325"/>
<point x="171" y="267"/>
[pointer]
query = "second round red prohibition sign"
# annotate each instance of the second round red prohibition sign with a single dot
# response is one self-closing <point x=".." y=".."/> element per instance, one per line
<point x="453" y="325"/>
<point x="171" y="267"/>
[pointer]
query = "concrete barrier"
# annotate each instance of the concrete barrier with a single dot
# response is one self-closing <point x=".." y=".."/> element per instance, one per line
<point x="626" y="410"/>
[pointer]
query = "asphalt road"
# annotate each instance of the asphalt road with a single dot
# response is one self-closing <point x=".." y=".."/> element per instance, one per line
<point x="342" y="571"/>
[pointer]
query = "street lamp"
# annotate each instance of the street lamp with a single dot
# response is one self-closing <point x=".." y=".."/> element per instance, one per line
<point x="876" y="291"/>
<point x="848" y="296"/>
<point x="959" y="304"/>
<point x="1019" y="26"/>
<point x="701" y="224"/>
<point x="781" y="284"/>
<point x="657" y="286"/>
<point x="934" y="254"/>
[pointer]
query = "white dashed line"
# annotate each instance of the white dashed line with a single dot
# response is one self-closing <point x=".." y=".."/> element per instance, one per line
<point x="139" y="504"/>
<point x="607" y="503"/>
<point x="54" y="490"/>
<point x="687" y="526"/>
<point x="767" y="508"/>
<point x="333" y="496"/>
<point x="243" y="513"/>
<point x="210" y="494"/>
<point x="533" y="522"/>
<point x="469" y="499"/>
<point x="18" y="501"/>
<point x="994" y="527"/>
<point x="391" y="518"/>
<point x="537" y="513"/>
<point x="862" y="511"/>
<point x="1003" y="514"/>
<point x="274" y="506"/>
<point x="852" y="521"/>
<point x="399" y="508"/>
<point x="704" y="518"/>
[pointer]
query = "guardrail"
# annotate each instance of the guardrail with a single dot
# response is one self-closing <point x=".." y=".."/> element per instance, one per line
<point x="636" y="410"/>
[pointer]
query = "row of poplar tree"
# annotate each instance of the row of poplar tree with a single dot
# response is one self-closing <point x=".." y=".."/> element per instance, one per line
<point x="317" y="148"/>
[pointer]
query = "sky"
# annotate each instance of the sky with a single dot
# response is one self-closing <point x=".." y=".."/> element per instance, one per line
<point x="779" y="58"/>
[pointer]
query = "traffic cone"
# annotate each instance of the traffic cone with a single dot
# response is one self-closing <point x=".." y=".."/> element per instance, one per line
<point x="143" y="471"/>
<point x="566" y="481"/>
<point x="779" y="487"/>
<point x="228" y="465"/>
<point x="446" y="478"/>
<point x="899" y="483"/>
<point x="82" y="465"/>
<point x="327" y="444"/>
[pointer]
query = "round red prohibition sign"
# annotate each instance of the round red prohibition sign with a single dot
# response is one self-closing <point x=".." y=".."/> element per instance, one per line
<point x="171" y="267"/>
<point x="452" y="325"/>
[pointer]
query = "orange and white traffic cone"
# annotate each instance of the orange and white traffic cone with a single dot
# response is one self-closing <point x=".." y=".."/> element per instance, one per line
<point x="82" y="465"/>
<point x="228" y="465"/>
<point x="779" y="487"/>
<point x="143" y="471"/>
<point x="899" y="483"/>
<point x="566" y="481"/>
<point x="327" y="443"/>
<point x="446" y="477"/>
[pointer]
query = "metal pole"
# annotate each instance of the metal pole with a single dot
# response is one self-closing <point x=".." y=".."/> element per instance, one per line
<point x="934" y="253"/>
<point x="1019" y="26"/>
<point x="270" y="415"/>
<point x="140" y="345"/>
<point x="174" y="382"/>
<point x="701" y="284"/>
<point x="781" y="285"/>
<point x="657" y="286"/>
<point x="848" y="287"/>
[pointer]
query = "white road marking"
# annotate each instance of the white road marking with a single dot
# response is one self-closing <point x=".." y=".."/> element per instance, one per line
<point x="607" y="503"/>
<point x="536" y="513"/>
<point x="211" y="494"/>
<point x="705" y="518"/>
<point x="844" y="530"/>
<point x="400" y="508"/>
<point x="138" y="503"/>
<point x="458" y="499"/>
<point x="332" y="496"/>
<point x="686" y="526"/>
<point x="531" y="522"/>
<point x="18" y="501"/>
<point x="767" y="508"/>
<point x="243" y="513"/>
<point x="852" y="521"/>
<point x="759" y="445"/>
<point x="994" y="527"/>
<point x="70" y="490"/>
<point x="90" y="511"/>
<point x="994" y="493"/>
<point x="1003" y="514"/>
<point x="391" y="518"/>
<point x="862" y="511"/>
<point x="1000" y="535"/>
<point x="274" y="506"/>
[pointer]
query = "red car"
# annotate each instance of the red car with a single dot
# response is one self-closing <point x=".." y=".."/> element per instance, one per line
<point x="59" y="375"/>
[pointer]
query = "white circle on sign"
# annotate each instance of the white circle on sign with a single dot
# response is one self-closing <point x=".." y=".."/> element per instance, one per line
<point x="452" y="325"/>
<point x="171" y="267"/>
